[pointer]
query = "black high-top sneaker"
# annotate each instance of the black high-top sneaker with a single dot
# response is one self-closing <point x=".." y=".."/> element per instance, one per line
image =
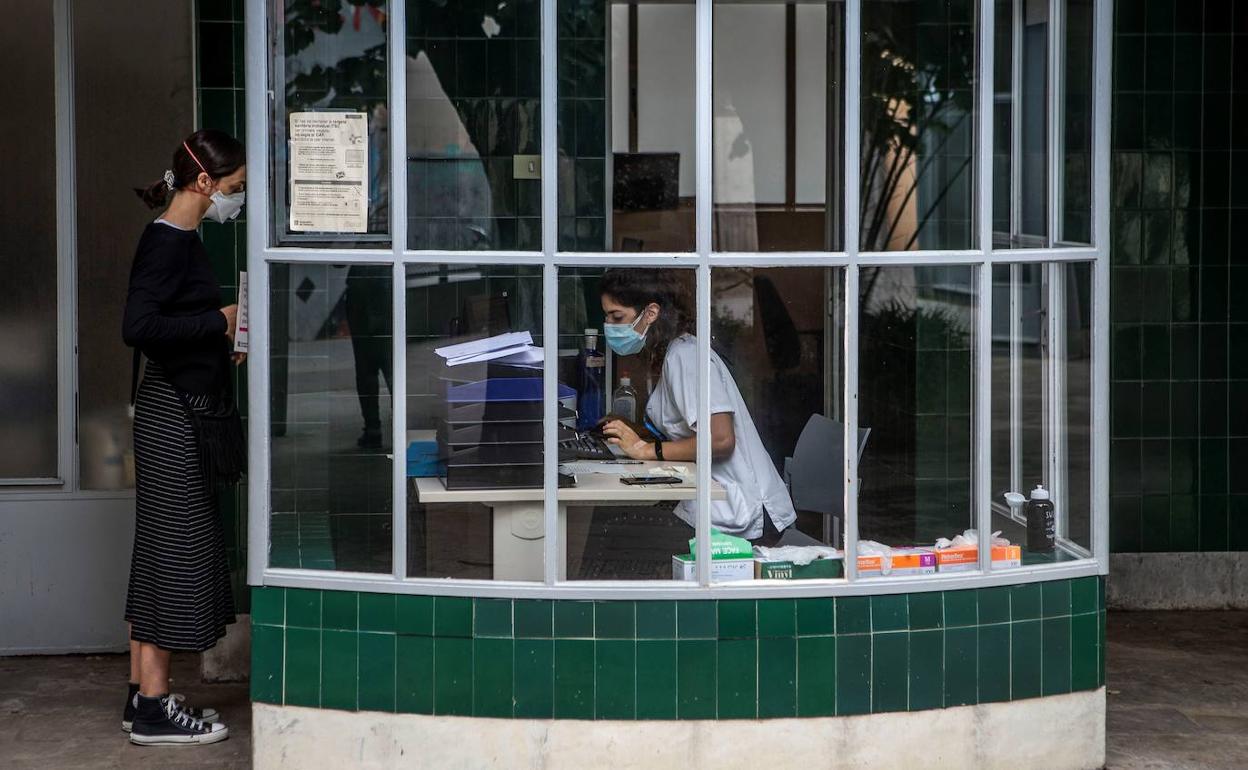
<point x="162" y="722"/>
<point x="132" y="703"/>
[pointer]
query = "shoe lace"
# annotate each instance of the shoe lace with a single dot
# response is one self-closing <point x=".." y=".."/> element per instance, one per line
<point x="181" y="717"/>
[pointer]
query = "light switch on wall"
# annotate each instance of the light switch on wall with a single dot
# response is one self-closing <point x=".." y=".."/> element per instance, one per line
<point x="526" y="167"/>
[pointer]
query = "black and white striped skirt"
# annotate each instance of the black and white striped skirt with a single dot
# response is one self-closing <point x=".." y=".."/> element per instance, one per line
<point x="179" y="596"/>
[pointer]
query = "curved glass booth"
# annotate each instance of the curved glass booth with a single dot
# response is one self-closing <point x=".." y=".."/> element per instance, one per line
<point x="836" y="275"/>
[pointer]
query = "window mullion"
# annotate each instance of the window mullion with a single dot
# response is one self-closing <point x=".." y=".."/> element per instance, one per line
<point x="553" y="545"/>
<point x="1054" y="104"/>
<point x="981" y="495"/>
<point x="851" y="163"/>
<point x="1016" y="121"/>
<point x="397" y="31"/>
<point x="1102" y="35"/>
<point x="255" y="29"/>
<point x="703" y="223"/>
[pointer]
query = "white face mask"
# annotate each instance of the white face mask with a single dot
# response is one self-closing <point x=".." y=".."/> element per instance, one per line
<point x="224" y="207"/>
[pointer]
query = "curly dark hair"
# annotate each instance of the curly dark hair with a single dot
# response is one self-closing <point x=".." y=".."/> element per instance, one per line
<point x="667" y="288"/>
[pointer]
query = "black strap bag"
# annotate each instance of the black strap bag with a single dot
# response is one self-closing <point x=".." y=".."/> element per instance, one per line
<point x="219" y="434"/>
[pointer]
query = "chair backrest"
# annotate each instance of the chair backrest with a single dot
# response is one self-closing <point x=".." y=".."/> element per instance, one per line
<point x="816" y="469"/>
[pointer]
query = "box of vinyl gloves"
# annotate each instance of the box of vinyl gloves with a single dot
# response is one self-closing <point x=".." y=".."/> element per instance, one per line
<point x="732" y="558"/>
<point x="797" y="563"/>
<point x="961" y="554"/>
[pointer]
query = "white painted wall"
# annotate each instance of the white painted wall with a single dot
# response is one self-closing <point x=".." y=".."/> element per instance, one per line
<point x="812" y="102"/>
<point x="64" y="565"/>
<point x="748" y="83"/>
<point x="665" y="87"/>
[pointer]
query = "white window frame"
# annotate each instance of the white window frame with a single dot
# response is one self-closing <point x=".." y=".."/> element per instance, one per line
<point x="261" y="254"/>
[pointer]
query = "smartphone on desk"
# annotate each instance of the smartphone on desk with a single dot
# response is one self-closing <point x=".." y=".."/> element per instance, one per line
<point x="649" y="480"/>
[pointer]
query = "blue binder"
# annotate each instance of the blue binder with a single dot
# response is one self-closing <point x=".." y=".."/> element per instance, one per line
<point x="501" y="390"/>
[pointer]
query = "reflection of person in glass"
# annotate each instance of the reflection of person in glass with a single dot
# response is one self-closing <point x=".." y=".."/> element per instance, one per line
<point x="649" y="309"/>
<point x="368" y="314"/>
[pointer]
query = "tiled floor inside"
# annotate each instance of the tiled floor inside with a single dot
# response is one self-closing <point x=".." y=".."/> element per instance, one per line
<point x="1178" y="698"/>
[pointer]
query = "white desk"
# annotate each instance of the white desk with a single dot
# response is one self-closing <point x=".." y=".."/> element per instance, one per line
<point x="519" y="522"/>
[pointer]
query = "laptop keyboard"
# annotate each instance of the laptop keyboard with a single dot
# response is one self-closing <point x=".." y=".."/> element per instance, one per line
<point x="585" y="447"/>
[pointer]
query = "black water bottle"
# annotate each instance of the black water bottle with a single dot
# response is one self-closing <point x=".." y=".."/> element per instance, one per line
<point x="1041" y="521"/>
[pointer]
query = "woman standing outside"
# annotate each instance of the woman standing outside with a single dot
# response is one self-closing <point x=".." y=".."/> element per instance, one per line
<point x="179" y="595"/>
<point x="648" y="309"/>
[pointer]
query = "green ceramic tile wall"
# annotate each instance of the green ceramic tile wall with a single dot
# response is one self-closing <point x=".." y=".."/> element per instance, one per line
<point x="730" y="659"/>
<point x="219" y="89"/>
<point x="1179" y="277"/>
<point x="492" y="76"/>
<point x="582" y="124"/>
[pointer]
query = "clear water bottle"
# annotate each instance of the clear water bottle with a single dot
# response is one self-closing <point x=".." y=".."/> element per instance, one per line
<point x="1041" y="521"/>
<point x="591" y="367"/>
<point x="624" y="401"/>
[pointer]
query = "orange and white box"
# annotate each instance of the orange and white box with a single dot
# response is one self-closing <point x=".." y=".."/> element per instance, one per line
<point x="906" y="561"/>
<point x="963" y="558"/>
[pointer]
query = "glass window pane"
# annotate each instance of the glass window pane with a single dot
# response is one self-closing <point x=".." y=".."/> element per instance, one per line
<point x="1033" y="87"/>
<point x="778" y="93"/>
<point x="780" y="331"/>
<point x="111" y="145"/>
<point x="28" y="314"/>
<point x="918" y="125"/>
<point x="474" y="429"/>
<point x="1075" y="417"/>
<point x="330" y="128"/>
<point x="626" y="179"/>
<point x="474" y="125"/>
<point x="1077" y="118"/>
<point x="330" y="417"/>
<point x="1021" y="180"/>
<point x="1002" y="120"/>
<point x="915" y="390"/>
<point x="644" y="382"/>
<point x="1042" y="408"/>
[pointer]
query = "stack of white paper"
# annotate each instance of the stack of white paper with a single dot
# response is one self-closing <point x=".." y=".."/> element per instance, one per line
<point x="514" y="348"/>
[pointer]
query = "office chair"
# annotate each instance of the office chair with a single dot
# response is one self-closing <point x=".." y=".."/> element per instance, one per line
<point x="814" y="472"/>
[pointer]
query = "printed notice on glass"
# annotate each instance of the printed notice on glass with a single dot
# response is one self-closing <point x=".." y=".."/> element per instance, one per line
<point x="329" y="172"/>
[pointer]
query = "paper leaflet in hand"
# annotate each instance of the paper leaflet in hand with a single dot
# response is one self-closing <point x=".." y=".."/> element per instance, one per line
<point x="241" y="337"/>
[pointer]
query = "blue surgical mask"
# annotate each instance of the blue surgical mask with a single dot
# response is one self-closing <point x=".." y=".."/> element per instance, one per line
<point x="624" y="339"/>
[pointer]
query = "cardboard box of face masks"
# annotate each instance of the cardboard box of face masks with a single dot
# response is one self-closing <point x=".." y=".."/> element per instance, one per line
<point x="966" y="557"/>
<point x="684" y="567"/>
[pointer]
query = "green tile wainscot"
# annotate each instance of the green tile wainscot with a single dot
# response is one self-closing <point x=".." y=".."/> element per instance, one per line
<point x="702" y="659"/>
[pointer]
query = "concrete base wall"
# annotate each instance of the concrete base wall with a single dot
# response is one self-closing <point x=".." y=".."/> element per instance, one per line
<point x="1177" y="581"/>
<point x="1063" y="731"/>
<point x="230" y="660"/>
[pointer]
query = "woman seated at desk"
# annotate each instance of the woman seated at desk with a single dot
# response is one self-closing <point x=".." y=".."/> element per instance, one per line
<point x="649" y="308"/>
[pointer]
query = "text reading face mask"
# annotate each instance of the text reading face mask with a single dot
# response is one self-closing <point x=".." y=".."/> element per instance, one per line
<point x="224" y="207"/>
<point x="624" y="339"/>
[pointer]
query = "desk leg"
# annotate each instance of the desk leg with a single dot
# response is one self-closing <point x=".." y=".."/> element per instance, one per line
<point x="519" y="542"/>
<point x="519" y="537"/>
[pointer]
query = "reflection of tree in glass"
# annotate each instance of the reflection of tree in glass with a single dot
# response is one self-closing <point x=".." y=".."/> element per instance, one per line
<point x="916" y="98"/>
<point x="358" y="79"/>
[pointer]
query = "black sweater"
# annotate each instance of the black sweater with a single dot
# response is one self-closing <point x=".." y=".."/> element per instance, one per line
<point x="173" y="310"/>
